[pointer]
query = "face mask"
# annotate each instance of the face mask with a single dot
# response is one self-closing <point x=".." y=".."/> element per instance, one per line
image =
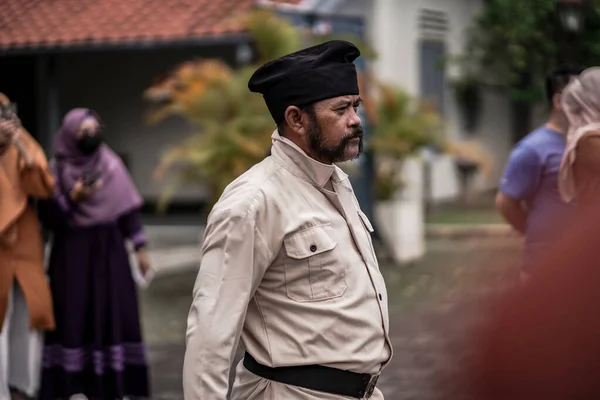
<point x="88" y="144"/>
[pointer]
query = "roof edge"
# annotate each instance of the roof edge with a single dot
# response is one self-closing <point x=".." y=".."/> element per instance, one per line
<point x="127" y="45"/>
<point x="304" y="5"/>
<point x="307" y="7"/>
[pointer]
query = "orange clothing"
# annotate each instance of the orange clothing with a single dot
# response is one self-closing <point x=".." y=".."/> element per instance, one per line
<point x="21" y="247"/>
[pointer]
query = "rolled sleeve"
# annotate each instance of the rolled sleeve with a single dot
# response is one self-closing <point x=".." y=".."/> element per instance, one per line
<point x="522" y="173"/>
<point x="235" y="258"/>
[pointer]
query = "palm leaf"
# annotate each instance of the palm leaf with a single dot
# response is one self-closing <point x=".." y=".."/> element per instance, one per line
<point x="234" y="125"/>
<point x="401" y="127"/>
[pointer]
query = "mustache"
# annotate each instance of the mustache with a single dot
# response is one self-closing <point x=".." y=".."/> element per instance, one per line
<point x="356" y="133"/>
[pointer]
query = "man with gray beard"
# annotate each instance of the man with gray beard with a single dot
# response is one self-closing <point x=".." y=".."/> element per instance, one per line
<point x="288" y="265"/>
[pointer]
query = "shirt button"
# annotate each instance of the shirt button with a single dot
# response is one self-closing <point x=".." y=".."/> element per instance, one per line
<point x="313" y="248"/>
<point x="380" y="296"/>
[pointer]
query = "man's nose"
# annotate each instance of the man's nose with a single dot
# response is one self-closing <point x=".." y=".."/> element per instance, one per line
<point x="354" y="119"/>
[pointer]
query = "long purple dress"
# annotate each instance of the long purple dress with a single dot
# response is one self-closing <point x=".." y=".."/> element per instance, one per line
<point x="97" y="348"/>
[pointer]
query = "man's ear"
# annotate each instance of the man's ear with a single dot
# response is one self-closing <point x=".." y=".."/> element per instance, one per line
<point x="293" y="117"/>
<point x="556" y="101"/>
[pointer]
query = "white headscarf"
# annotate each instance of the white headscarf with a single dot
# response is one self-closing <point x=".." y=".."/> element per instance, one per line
<point x="581" y="104"/>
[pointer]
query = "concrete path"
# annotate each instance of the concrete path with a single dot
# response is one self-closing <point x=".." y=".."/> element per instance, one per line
<point x="460" y="231"/>
<point x="174" y="249"/>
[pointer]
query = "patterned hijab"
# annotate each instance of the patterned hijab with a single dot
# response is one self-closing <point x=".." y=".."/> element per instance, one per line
<point x="581" y="105"/>
<point x="115" y="197"/>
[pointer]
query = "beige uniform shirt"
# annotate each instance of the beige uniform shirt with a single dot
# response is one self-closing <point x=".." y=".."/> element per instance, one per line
<point x="288" y="265"/>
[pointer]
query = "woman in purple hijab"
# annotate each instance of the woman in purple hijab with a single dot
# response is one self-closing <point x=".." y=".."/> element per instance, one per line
<point x="97" y="348"/>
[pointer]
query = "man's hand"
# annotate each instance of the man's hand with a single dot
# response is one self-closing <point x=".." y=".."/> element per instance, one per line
<point x="10" y="124"/>
<point x="81" y="191"/>
<point x="11" y="133"/>
<point x="24" y="153"/>
<point x="8" y="130"/>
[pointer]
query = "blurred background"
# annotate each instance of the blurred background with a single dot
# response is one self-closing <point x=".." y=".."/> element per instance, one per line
<point x="449" y="86"/>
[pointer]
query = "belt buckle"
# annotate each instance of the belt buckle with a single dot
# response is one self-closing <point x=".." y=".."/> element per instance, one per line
<point x="371" y="386"/>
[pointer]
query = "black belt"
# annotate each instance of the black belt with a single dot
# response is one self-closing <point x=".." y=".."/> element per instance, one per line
<point x="317" y="377"/>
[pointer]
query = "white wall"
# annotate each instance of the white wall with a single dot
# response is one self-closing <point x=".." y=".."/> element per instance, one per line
<point x="112" y="84"/>
<point x="393" y="27"/>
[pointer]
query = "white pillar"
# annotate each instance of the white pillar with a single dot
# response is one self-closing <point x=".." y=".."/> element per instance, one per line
<point x="402" y="219"/>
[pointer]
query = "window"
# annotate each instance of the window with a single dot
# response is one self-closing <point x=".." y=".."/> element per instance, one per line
<point x="433" y="27"/>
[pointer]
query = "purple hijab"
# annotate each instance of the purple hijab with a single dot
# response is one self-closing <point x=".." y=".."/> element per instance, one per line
<point x="117" y="195"/>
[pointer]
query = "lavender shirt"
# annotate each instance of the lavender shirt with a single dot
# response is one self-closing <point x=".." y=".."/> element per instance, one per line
<point x="531" y="175"/>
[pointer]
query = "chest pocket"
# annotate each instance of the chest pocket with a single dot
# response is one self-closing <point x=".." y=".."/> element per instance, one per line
<point x="314" y="269"/>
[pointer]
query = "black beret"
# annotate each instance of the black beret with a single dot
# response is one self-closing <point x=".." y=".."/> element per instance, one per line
<point x="307" y="76"/>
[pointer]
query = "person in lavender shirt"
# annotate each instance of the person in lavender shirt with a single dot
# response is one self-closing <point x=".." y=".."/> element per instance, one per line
<point x="97" y="348"/>
<point x="528" y="196"/>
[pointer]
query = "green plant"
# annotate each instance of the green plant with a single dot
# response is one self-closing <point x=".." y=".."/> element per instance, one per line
<point x="273" y="36"/>
<point x="515" y="43"/>
<point x="401" y="126"/>
<point x="512" y="39"/>
<point x="234" y="134"/>
<point x="232" y="125"/>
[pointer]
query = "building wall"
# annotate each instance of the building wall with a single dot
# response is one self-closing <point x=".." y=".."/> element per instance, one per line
<point x="112" y="84"/>
<point x="394" y="30"/>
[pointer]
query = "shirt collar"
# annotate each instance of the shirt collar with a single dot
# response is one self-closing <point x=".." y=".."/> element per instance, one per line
<point x="297" y="162"/>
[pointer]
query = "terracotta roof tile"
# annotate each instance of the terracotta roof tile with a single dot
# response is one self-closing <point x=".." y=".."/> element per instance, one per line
<point x="50" y="23"/>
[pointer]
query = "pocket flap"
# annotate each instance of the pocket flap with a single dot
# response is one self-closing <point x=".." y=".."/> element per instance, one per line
<point x="309" y="242"/>
<point x="365" y="221"/>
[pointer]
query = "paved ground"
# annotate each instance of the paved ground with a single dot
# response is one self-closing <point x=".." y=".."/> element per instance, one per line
<point x="435" y="302"/>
